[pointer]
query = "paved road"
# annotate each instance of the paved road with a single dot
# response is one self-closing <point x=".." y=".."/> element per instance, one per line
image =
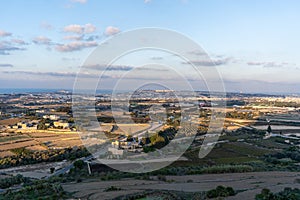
<point x="153" y="127"/>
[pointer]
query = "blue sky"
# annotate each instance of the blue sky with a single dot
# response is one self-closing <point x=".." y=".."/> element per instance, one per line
<point x="43" y="43"/>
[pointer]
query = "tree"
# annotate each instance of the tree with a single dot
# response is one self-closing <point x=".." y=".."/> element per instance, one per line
<point x="78" y="164"/>
<point x="52" y="169"/>
<point x="42" y="125"/>
<point x="269" y="129"/>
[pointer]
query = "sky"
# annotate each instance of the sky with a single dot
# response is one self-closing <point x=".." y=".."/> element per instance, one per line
<point x="254" y="44"/>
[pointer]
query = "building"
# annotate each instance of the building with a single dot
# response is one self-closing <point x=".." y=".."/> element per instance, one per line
<point x="60" y="124"/>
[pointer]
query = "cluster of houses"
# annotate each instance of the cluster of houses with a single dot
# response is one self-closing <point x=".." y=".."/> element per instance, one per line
<point x="124" y="144"/>
<point x="52" y="121"/>
<point x="31" y="125"/>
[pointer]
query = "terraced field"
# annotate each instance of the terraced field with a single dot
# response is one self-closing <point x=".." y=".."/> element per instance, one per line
<point x="37" y="141"/>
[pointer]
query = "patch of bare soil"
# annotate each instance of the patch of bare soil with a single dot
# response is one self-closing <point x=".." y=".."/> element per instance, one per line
<point x="249" y="184"/>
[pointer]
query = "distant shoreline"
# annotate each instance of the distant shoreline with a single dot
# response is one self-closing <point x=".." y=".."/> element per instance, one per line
<point x="109" y="91"/>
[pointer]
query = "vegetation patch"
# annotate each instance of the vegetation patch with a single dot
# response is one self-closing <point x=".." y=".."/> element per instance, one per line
<point x="220" y="191"/>
<point x="38" y="190"/>
<point x="112" y="188"/>
<point x="287" y="193"/>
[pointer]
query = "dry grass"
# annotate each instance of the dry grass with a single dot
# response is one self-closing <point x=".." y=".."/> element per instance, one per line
<point x="34" y="141"/>
<point x="37" y="148"/>
<point x="15" y="145"/>
<point x="4" y="154"/>
<point x="130" y="129"/>
<point x="10" y="121"/>
<point x="66" y="143"/>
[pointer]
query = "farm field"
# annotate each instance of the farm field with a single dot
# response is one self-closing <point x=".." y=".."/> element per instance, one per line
<point x="37" y="141"/>
<point x="248" y="184"/>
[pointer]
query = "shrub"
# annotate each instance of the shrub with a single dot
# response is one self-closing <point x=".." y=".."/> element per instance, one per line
<point x="162" y="178"/>
<point x="220" y="191"/>
<point x="287" y="193"/>
<point x="14" y="180"/>
<point x="78" y="164"/>
<point x="112" y="188"/>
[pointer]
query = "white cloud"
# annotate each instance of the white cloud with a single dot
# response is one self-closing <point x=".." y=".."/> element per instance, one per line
<point x="75" y="46"/>
<point x="147" y="1"/>
<point x="19" y="41"/>
<point x="79" y="29"/>
<point x="73" y="37"/>
<point x="110" y="30"/>
<point x="41" y="40"/>
<point x="74" y="28"/>
<point x="89" y="28"/>
<point x="4" y="33"/>
<point x="273" y="64"/>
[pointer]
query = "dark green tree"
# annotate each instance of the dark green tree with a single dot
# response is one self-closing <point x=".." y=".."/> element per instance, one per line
<point x="269" y="129"/>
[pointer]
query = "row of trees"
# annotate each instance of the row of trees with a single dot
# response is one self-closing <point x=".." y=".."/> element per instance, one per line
<point x="24" y="156"/>
<point x="10" y="181"/>
<point x="159" y="140"/>
<point x="37" y="190"/>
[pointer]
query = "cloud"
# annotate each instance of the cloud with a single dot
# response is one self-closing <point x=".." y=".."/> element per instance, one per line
<point x="79" y="29"/>
<point x="74" y="28"/>
<point x="75" y="46"/>
<point x="7" y="47"/>
<point x="79" y="1"/>
<point x="46" y="26"/>
<point x="109" y="68"/>
<point x="73" y="37"/>
<point x="255" y="63"/>
<point x="89" y="28"/>
<point x="110" y="30"/>
<point x="147" y="1"/>
<point x="271" y="64"/>
<point x="120" y="68"/>
<point x="197" y="52"/>
<point x="6" y="65"/>
<point x="56" y="74"/>
<point x="208" y="63"/>
<point x="4" y="33"/>
<point x="19" y="41"/>
<point x="42" y="40"/>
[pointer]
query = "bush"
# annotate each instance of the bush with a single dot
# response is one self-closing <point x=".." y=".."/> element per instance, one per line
<point x="287" y="193"/>
<point x="78" y="164"/>
<point x="38" y="190"/>
<point x="52" y="169"/>
<point x="220" y="191"/>
<point x="112" y="188"/>
<point x="162" y="178"/>
<point x="8" y="182"/>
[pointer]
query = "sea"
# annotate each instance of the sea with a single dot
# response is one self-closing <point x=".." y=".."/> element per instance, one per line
<point x="100" y="91"/>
